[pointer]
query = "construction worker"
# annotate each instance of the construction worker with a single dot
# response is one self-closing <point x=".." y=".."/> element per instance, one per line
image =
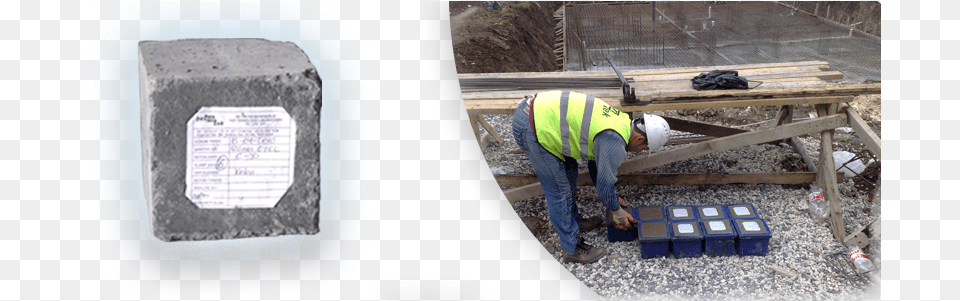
<point x="555" y="129"/>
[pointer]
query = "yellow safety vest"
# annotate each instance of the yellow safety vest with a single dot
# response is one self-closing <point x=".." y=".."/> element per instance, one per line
<point x="584" y="118"/>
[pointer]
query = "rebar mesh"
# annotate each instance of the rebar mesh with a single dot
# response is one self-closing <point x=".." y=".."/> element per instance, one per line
<point x="648" y="35"/>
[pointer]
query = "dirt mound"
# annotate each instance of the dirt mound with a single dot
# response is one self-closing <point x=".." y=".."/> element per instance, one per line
<point x="516" y="37"/>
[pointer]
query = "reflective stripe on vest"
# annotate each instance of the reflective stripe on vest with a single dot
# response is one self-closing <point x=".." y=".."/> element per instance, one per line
<point x="583" y="118"/>
<point x="564" y="126"/>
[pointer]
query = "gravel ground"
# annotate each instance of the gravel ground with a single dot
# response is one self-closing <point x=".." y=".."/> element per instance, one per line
<point x="622" y="274"/>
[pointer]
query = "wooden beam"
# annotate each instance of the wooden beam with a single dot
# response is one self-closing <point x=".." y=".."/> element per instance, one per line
<point x="701" y="128"/>
<point x="822" y="65"/>
<point x="486" y="125"/>
<point x="821" y="90"/>
<point x="739" y="103"/>
<point x="866" y="134"/>
<point x="762" y="75"/>
<point x="731" y="142"/>
<point x="685" y="93"/>
<point x="507" y="106"/>
<point x="684" y="179"/>
<point x="688" y="140"/>
<point x="701" y="149"/>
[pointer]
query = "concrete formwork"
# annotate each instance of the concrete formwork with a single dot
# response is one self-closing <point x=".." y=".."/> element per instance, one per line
<point x="647" y="35"/>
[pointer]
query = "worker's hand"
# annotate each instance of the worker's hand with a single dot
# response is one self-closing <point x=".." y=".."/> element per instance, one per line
<point x="621" y="219"/>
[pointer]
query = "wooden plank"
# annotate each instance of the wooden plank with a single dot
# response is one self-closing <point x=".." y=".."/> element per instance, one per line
<point x="819" y="90"/>
<point x="504" y="106"/>
<point x="740" y="103"/>
<point x="677" y="86"/>
<point x="486" y="125"/>
<point x="822" y="65"/>
<point x="684" y="92"/>
<point x="684" y="179"/>
<point x="757" y="75"/>
<point x="866" y="134"/>
<point x="701" y="149"/>
<point x="518" y="86"/>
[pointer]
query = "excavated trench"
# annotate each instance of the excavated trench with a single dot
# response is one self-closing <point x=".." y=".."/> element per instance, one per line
<point x="518" y="37"/>
<point x="553" y="36"/>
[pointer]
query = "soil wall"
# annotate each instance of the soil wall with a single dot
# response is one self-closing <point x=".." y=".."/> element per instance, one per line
<point x="518" y="37"/>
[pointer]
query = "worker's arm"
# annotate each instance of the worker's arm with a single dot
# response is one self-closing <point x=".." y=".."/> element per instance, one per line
<point x="609" y="151"/>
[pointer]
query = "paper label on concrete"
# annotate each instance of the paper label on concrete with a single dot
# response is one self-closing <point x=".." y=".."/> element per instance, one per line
<point x="741" y="211"/>
<point x="685" y="228"/>
<point x="679" y="212"/>
<point x="717" y="226"/>
<point x="239" y="157"/>
<point x="710" y="212"/>
<point x="751" y="226"/>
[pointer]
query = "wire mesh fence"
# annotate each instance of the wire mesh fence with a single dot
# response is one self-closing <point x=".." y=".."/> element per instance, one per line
<point x="648" y="35"/>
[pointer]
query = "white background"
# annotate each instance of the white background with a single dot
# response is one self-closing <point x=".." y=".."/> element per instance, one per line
<point x="409" y="209"/>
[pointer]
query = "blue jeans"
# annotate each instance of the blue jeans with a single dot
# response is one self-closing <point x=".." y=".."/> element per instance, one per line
<point x="557" y="177"/>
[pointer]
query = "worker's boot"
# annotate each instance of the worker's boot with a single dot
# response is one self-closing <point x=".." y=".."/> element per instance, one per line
<point x="587" y="224"/>
<point x="584" y="253"/>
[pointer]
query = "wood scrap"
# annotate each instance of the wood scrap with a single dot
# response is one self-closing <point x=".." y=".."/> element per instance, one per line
<point x="785" y="272"/>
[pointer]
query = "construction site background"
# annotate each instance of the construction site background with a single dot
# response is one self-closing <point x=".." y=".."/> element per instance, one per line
<point x="650" y="35"/>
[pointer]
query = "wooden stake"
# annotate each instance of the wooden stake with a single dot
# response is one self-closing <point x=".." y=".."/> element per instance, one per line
<point x="869" y="137"/>
<point x="489" y="128"/>
<point x="827" y="177"/>
<point x="474" y="120"/>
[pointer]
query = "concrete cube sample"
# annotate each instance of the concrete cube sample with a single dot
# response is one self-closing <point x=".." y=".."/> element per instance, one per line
<point x="249" y="110"/>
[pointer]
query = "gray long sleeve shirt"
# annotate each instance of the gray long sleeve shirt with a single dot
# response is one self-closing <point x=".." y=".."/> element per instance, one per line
<point x="609" y="151"/>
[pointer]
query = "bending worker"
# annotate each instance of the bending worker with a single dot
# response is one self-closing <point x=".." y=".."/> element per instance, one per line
<point x="555" y="129"/>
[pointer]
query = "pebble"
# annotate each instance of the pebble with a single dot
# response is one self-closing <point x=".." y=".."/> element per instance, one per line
<point x="623" y="275"/>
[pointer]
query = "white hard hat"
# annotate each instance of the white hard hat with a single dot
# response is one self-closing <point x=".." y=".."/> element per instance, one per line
<point x="656" y="129"/>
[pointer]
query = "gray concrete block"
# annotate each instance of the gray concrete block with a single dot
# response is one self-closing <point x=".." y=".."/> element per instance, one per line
<point x="177" y="79"/>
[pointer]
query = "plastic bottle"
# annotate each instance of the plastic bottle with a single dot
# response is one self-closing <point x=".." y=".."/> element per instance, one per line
<point x="861" y="261"/>
<point x="819" y="208"/>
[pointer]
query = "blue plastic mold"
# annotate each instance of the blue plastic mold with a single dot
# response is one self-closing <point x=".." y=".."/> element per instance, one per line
<point x="681" y="213"/>
<point x="654" y="239"/>
<point x="711" y="212"/>
<point x="741" y="211"/>
<point x="686" y="239"/>
<point x="754" y="236"/>
<point x="650" y="213"/>
<point x="719" y="238"/>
